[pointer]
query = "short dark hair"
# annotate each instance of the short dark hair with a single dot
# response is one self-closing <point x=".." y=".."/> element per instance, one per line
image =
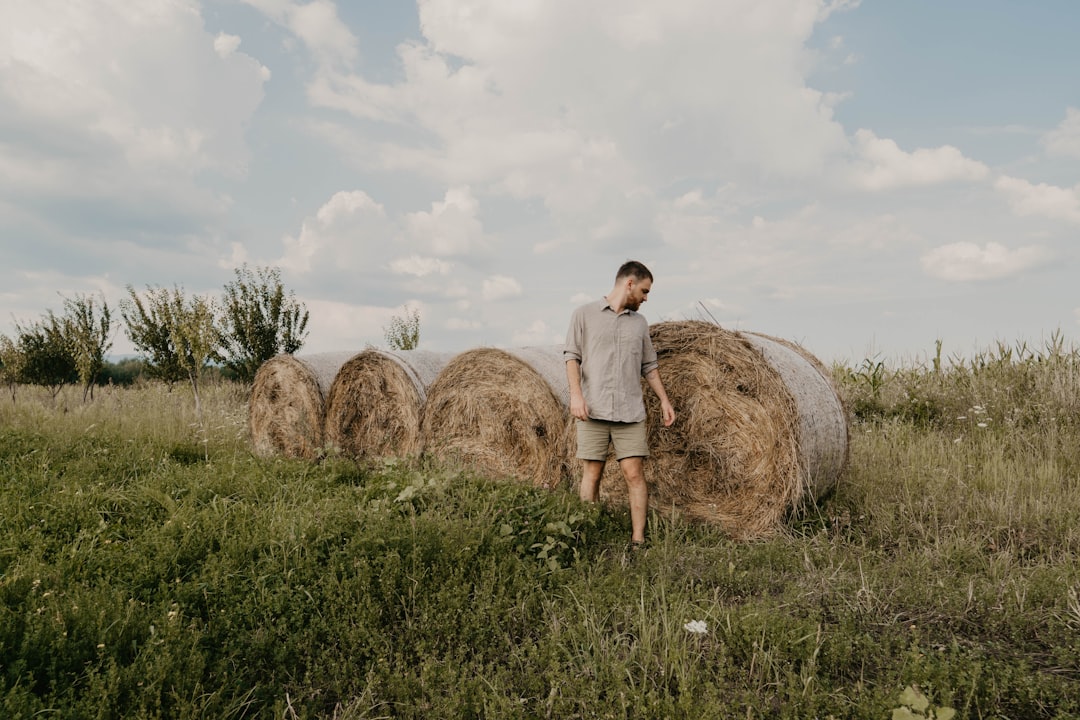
<point x="634" y="269"/>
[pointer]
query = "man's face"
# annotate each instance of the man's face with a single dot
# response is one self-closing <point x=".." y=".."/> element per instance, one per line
<point x="639" y="293"/>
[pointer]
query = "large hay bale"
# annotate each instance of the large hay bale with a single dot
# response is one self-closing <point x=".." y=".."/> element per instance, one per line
<point x="823" y="428"/>
<point x="740" y="453"/>
<point x="287" y="410"/>
<point x="502" y="412"/>
<point x="373" y="407"/>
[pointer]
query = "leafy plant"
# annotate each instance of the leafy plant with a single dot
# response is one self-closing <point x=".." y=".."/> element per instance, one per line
<point x="149" y="327"/>
<point x="915" y="706"/>
<point x="871" y="374"/>
<point x="403" y="333"/>
<point x="10" y="364"/>
<point x="40" y="355"/>
<point x="259" y="320"/>
<point x="87" y="330"/>
<point x="866" y="381"/>
<point x="179" y="334"/>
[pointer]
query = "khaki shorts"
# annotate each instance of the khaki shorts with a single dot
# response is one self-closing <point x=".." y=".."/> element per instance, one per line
<point x="594" y="437"/>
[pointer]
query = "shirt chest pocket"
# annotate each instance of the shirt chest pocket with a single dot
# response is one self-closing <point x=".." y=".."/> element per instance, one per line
<point x="630" y="349"/>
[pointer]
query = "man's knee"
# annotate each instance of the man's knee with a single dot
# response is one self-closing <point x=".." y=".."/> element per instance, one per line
<point x="633" y="469"/>
<point x="592" y="469"/>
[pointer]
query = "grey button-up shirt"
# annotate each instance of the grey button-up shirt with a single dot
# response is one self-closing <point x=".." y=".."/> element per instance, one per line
<point x="615" y="352"/>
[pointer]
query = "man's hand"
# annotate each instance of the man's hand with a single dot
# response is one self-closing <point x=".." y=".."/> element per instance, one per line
<point x="578" y="408"/>
<point x="653" y="378"/>
<point x="668" y="413"/>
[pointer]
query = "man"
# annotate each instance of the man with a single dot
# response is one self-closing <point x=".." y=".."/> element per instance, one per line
<point x="607" y="351"/>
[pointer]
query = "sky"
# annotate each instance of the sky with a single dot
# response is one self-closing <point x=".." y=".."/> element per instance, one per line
<point x="863" y="178"/>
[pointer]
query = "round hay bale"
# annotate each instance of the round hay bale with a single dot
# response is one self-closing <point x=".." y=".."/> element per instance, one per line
<point x="502" y="412"/>
<point x="735" y="455"/>
<point x="373" y="407"/>
<point x="824" y="439"/>
<point x="287" y="409"/>
<point x="792" y="345"/>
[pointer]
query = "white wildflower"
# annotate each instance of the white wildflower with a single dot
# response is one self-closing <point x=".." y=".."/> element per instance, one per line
<point x="697" y="627"/>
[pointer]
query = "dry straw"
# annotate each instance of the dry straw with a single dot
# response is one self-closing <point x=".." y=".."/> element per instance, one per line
<point x="737" y="454"/>
<point x="374" y="404"/>
<point x="502" y="412"/>
<point x="287" y="409"/>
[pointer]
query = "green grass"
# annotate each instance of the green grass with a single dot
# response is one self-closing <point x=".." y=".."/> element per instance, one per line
<point x="150" y="566"/>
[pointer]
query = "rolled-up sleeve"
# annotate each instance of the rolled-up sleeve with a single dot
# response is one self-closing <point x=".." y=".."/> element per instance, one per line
<point x="648" y="355"/>
<point x="574" y="334"/>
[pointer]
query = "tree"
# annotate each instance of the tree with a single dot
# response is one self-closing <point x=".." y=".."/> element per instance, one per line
<point x="10" y="364"/>
<point x="196" y="336"/>
<point x="86" y="330"/>
<point x="179" y="335"/>
<point x="148" y="327"/>
<point x="259" y="320"/>
<point x="43" y="355"/>
<point x="404" y="330"/>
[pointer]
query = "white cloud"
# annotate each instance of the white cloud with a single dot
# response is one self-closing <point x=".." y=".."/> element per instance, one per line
<point x="225" y="44"/>
<point x="40" y="289"/>
<point x="1065" y="138"/>
<point x="966" y="261"/>
<point x="317" y="24"/>
<point x="348" y="231"/>
<point x="537" y="333"/>
<point x="688" y="200"/>
<point x="452" y="227"/>
<point x="352" y="246"/>
<point x="507" y="97"/>
<point x="121" y="106"/>
<point x="420" y="266"/>
<point x="500" y="287"/>
<point x="336" y="325"/>
<point x="836" y="5"/>
<point x="238" y="256"/>
<point x="875" y="233"/>
<point x="886" y="166"/>
<point x="346" y="204"/>
<point x="456" y="323"/>
<point x="1042" y="200"/>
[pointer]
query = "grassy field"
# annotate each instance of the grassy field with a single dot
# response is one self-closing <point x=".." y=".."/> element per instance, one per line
<point x="150" y="566"/>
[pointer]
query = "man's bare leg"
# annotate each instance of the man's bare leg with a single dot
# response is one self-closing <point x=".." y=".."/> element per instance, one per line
<point x="590" y="480"/>
<point x="633" y="470"/>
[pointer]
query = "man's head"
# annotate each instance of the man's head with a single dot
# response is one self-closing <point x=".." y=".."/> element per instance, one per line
<point x="637" y="282"/>
<point x="633" y="269"/>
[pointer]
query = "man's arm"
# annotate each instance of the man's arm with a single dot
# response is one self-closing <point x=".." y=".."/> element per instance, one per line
<point x="653" y="378"/>
<point x="577" y="400"/>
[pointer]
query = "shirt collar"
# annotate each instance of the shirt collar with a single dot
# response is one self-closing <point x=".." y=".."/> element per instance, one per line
<point x="605" y="305"/>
